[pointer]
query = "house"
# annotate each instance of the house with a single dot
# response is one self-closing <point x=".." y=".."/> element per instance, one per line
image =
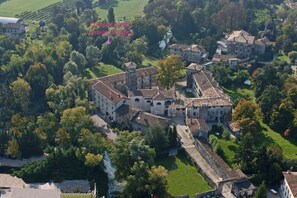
<point x="241" y="44"/>
<point x="243" y="188"/>
<point x="138" y="119"/>
<point x="30" y="193"/>
<point x="13" y="26"/>
<point x="197" y="128"/>
<point x="7" y="181"/>
<point x="189" y="53"/>
<point x="288" y="188"/>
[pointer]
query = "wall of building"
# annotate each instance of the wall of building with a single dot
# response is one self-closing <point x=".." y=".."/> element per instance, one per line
<point x="158" y="107"/>
<point x="285" y="190"/>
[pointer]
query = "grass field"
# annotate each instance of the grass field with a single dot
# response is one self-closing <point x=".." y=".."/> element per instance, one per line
<point x="183" y="178"/>
<point x="229" y="148"/>
<point x="10" y="8"/>
<point x="289" y="149"/>
<point x="101" y="70"/>
<point x="87" y="195"/>
<point x="123" y="8"/>
<point x="149" y="61"/>
<point x="283" y="57"/>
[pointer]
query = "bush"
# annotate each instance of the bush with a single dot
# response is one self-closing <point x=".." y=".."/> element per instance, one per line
<point x="226" y="134"/>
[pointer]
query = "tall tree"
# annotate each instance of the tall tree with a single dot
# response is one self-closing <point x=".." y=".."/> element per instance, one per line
<point x="93" y="55"/>
<point x="110" y="15"/>
<point x="261" y="191"/>
<point x="169" y="70"/>
<point x="156" y="138"/>
<point x="21" y="91"/>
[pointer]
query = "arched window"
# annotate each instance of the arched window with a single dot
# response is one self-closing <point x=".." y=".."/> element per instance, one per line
<point x="136" y="99"/>
<point x="159" y="103"/>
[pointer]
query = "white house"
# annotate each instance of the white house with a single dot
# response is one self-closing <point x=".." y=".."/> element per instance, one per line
<point x="190" y="53"/>
<point x="13" y="26"/>
<point x="288" y="188"/>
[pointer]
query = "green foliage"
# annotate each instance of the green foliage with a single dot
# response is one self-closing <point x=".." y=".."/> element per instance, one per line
<point x="129" y="149"/>
<point x="261" y="191"/>
<point x="21" y="91"/>
<point x="169" y="70"/>
<point x="156" y="138"/>
<point x="111" y="16"/>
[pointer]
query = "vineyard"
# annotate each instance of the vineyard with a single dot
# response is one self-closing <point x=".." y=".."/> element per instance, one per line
<point x="46" y="13"/>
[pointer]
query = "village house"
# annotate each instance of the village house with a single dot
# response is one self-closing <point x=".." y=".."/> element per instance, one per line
<point x="288" y="188"/>
<point x="239" y="44"/>
<point x="13" y="26"/>
<point x="189" y="53"/>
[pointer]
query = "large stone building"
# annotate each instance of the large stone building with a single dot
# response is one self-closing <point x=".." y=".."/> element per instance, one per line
<point x="135" y="94"/>
<point x="13" y="26"/>
<point x="288" y="188"/>
<point x="240" y="44"/>
<point x="189" y="53"/>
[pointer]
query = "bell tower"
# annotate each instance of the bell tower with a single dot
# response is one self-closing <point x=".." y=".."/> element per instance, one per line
<point x="131" y="75"/>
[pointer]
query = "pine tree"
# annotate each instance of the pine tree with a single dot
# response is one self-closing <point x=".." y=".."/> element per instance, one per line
<point x="111" y="16"/>
<point x="261" y="191"/>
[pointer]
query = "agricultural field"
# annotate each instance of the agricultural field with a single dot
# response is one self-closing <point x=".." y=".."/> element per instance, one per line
<point x="183" y="178"/>
<point x="123" y="8"/>
<point x="11" y="8"/>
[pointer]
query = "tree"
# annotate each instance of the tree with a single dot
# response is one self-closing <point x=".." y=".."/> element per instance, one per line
<point x="184" y="25"/>
<point x="128" y="149"/>
<point x="21" y="92"/>
<point x="244" y="109"/>
<point x="13" y="149"/>
<point x="263" y="17"/>
<point x="63" y="138"/>
<point x="293" y="55"/>
<point x="93" y="160"/>
<point x="169" y="70"/>
<point x="93" y="55"/>
<point x="110" y="15"/>
<point x="79" y="59"/>
<point x="74" y="120"/>
<point x="38" y="78"/>
<point x="246" y="153"/>
<point x="261" y="191"/>
<point x="156" y="138"/>
<point x="172" y="136"/>
<point x="71" y="25"/>
<point x="145" y="181"/>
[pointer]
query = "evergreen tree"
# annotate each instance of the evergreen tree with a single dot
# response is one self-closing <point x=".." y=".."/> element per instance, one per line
<point x="111" y="16"/>
<point x="261" y="191"/>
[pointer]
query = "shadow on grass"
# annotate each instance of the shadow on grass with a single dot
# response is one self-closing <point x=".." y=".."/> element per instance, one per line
<point x="233" y="148"/>
<point x="109" y="4"/>
<point x="167" y="162"/>
<point x="2" y="1"/>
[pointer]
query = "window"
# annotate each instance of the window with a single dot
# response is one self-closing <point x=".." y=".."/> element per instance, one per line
<point x="159" y="103"/>
<point x="136" y="99"/>
<point x="148" y="101"/>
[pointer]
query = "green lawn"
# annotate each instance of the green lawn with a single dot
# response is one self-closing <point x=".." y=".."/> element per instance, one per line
<point x="289" y="149"/>
<point x="123" y="8"/>
<point x="149" y="61"/>
<point x="87" y="195"/>
<point x="238" y="93"/>
<point x="229" y="148"/>
<point x="183" y="178"/>
<point x="283" y="57"/>
<point x="10" y="8"/>
<point x="101" y="70"/>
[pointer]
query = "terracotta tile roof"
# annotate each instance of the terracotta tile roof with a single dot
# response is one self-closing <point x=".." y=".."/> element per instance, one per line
<point x="127" y="111"/>
<point x="207" y="84"/>
<point x="197" y="124"/>
<point x="113" y="95"/>
<point x="193" y="48"/>
<point x="155" y="94"/>
<point x="146" y="119"/>
<point x="291" y="179"/>
<point x="241" y="36"/>
<point x="211" y="102"/>
<point x="8" y="181"/>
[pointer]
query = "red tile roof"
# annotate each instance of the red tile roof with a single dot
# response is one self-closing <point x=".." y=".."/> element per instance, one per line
<point x="291" y="179"/>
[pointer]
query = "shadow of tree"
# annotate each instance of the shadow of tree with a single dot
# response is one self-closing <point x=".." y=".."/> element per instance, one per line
<point x="2" y="1"/>
<point x="233" y="148"/>
<point x="109" y="4"/>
